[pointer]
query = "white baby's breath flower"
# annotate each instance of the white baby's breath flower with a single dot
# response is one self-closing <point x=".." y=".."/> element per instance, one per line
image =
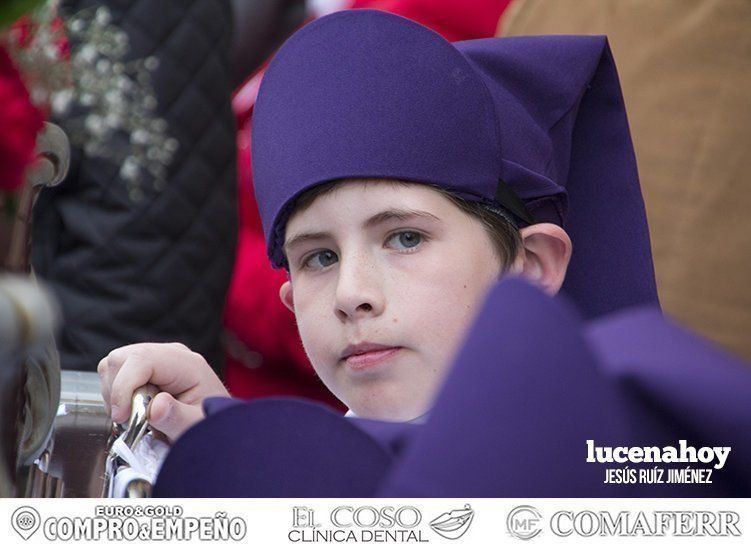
<point x="114" y="96"/>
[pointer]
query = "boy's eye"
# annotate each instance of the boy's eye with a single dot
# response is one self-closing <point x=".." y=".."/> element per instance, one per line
<point x="404" y="240"/>
<point x="320" y="259"/>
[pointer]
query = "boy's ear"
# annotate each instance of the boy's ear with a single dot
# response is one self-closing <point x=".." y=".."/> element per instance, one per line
<point x="285" y="293"/>
<point x="547" y="252"/>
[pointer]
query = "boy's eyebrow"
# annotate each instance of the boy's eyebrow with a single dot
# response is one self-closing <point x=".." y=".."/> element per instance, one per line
<point x="397" y="213"/>
<point x="305" y="237"/>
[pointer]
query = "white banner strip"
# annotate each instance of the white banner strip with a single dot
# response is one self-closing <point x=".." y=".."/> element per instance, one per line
<point x="285" y="521"/>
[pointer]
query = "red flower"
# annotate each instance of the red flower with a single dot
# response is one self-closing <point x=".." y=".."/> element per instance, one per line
<point x="19" y="123"/>
<point x="23" y="34"/>
<point x="24" y="30"/>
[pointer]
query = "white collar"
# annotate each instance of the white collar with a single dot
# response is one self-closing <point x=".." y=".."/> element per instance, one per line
<point x="419" y="419"/>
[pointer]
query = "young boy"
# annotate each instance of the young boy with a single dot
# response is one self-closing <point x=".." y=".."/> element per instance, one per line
<point x="385" y="278"/>
<point x="398" y="177"/>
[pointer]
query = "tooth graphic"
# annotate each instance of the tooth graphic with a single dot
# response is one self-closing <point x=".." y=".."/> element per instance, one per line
<point x="454" y="524"/>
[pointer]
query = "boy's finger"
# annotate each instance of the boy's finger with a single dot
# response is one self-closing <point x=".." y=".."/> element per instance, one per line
<point x="108" y="369"/>
<point x="118" y="356"/>
<point x="174" y="368"/>
<point x="133" y="373"/>
<point x="173" y="417"/>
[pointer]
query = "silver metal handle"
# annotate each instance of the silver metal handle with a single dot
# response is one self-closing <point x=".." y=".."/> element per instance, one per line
<point x="138" y="426"/>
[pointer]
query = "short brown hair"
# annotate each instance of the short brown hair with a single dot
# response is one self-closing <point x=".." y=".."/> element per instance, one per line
<point x="503" y="233"/>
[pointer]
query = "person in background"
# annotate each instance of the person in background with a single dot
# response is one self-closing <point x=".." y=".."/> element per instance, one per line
<point x="138" y="241"/>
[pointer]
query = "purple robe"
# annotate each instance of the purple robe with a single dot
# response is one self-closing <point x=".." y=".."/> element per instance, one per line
<point x="531" y="385"/>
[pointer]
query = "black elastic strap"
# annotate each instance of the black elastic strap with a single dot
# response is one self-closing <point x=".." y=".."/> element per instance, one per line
<point x="506" y="197"/>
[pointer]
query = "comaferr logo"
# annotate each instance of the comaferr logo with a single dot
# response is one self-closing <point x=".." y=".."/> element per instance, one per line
<point x="641" y="523"/>
<point x="525" y="522"/>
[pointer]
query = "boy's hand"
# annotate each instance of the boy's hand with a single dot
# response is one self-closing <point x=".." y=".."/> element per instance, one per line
<point x="183" y="376"/>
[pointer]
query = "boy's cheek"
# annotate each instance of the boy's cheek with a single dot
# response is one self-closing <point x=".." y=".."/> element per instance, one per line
<point x="318" y="340"/>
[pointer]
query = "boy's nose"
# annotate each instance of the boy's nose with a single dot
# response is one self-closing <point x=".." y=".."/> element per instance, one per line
<point x="358" y="292"/>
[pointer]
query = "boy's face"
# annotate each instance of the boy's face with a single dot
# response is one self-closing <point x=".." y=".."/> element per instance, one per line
<point x="385" y="280"/>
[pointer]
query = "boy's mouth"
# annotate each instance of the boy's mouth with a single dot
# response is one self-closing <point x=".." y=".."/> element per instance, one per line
<point x="366" y="355"/>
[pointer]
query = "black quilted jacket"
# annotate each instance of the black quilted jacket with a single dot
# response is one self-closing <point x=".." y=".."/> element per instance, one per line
<point x="156" y="268"/>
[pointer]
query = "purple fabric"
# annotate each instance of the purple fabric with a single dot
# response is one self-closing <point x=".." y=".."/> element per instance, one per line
<point x="272" y="448"/>
<point x="212" y="405"/>
<point x="369" y="94"/>
<point x="513" y="418"/>
<point x="531" y="385"/>
<point x="679" y="387"/>
<point x="366" y="93"/>
<point x="393" y="437"/>
<point x="563" y="125"/>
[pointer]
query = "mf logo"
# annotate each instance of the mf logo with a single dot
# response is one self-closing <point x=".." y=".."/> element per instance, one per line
<point x="524" y="522"/>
